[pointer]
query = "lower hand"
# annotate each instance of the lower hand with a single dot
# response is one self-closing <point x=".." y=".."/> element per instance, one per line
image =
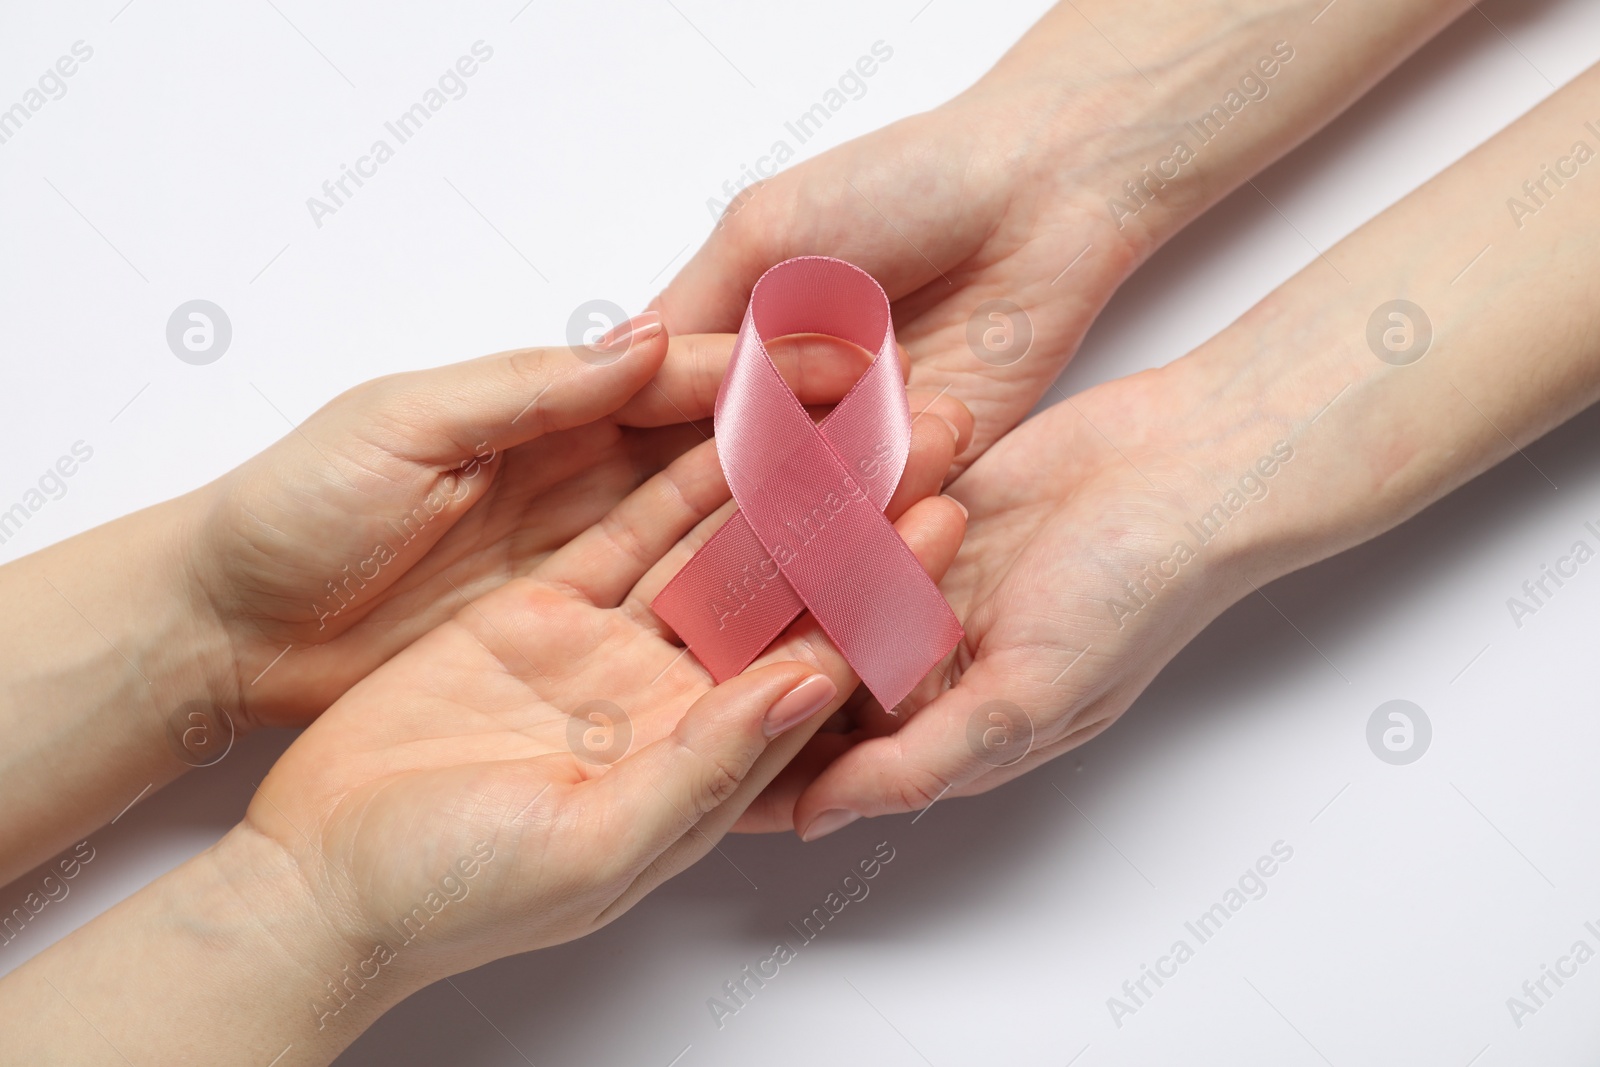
<point x="555" y="742"/>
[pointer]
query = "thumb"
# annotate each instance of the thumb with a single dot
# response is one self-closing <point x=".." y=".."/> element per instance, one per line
<point x="657" y="795"/>
<point x="444" y="414"/>
<point x="850" y="202"/>
<point x="710" y="293"/>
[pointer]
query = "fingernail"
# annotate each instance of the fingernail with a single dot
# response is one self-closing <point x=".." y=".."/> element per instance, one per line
<point x="799" y="704"/>
<point x="623" y="336"/>
<point x="828" y="822"/>
<point x="954" y="433"/>
<point x="964" y="512"/>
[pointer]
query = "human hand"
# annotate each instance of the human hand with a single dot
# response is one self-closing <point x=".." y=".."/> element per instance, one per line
<point x="1048" y="181"/>
<point x="1057" y="646"/>
<point x="409" y="495"/>
<point x="481" y="793"/>
<point x="947" y="209"/>
<point x="554" y="739"/>
<point x="1110" y="529"/>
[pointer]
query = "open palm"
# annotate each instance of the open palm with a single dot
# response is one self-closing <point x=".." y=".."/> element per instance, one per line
<point x="554" y="738"/>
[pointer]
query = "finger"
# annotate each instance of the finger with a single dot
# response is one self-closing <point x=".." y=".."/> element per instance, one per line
<point x="988" y="721"/>
<point x="807" y="210"/>
<point x="932" y="529"/>
<point x="657" y="795"/>
<point x="713" y="288"/>
<point x="933" y="448"/>
<point x="941" y="404"/>
<point x="926" y="465"/>
<point x="445" y="415"/>
<point x="819" y="368"/>
<point x="773" y="810"/>
<point x="609" y="558"/>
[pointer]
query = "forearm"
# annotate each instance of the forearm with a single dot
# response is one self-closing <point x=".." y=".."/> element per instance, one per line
<point x="226" y="960"/>
<point x="112" y="674"/>
<point x="1147" y="113"/>
<point x="1381" y="423"/>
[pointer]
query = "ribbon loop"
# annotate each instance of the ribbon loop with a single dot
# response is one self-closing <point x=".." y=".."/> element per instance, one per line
<point x="810" y="532"/>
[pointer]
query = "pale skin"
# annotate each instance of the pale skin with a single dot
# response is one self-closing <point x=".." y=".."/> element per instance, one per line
<point x="1018" y="189"/>
<point x="1115" y="475"/>
<point x="135" y="633"/>
<point x="295" y="895"/>
<point x="1004" y="191"/>
<point x="464" y="776"/>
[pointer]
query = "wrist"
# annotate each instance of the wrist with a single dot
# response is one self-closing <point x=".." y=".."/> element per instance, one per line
<point x="215" y="688"/>
<point x="117" y="681"/>
<point x="1267" y="431"/>
<point x="1157" y="111"/>
<point x="251" y="917"/>
<point x="228" y="959"/>
<point x="1132" y="132"/>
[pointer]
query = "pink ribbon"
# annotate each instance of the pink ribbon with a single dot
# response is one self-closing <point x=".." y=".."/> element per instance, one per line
<point x="810" y="532"/>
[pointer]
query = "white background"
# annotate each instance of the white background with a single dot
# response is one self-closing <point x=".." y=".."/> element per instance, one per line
<point x="1418" y="898"/>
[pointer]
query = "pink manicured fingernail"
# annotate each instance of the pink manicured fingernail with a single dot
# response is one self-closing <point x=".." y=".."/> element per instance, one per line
<point x="828" y="822"/>
<point x="623" y="336"/>
<point x="799" y="704"/>
<point x="964" y="512"/>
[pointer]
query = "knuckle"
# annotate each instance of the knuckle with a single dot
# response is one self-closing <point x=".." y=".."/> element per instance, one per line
<point x="387" y="408"/>
<point x="718" y="781"/>
<point x="1074" y="729"/>
<point x="915" y="789"/>
<point x="715" y="778"/>
<point x="371" y="395"/>
<point x="529" y="366"/>
<point x="629" y="544"/>
<point x="736" y="217"/>
<point x="804" y="650"/>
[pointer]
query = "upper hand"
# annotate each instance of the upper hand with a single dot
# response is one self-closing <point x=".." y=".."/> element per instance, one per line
<point x="404" y="498"/>
<point x="982" y="199"/>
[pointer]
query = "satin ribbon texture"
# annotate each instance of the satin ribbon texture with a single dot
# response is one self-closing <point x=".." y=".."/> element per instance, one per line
<point x="810" y="532"/>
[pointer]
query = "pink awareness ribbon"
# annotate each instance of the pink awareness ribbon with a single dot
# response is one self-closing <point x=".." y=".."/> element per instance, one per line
<point x="810" y="532"/>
